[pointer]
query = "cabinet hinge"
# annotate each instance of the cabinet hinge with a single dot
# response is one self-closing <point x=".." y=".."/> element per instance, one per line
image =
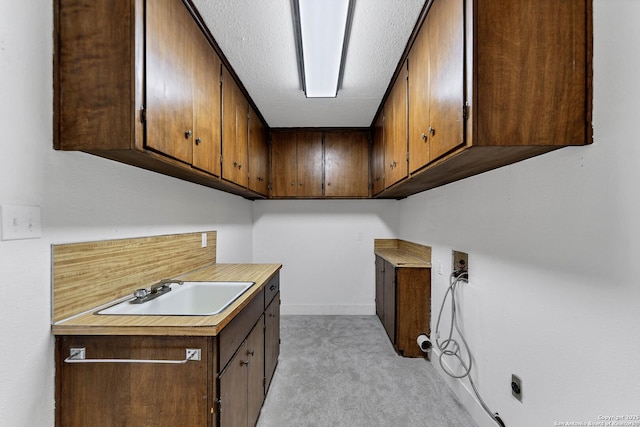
<point x="217" y="408"/>
<point x="465" y="111"/>
<point x="143" y="114"/>
<point x="407" y="156"/>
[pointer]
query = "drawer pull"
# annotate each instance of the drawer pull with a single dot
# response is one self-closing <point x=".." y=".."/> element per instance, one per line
<point x="78" y="355"/>
<point x="272" y="287"/>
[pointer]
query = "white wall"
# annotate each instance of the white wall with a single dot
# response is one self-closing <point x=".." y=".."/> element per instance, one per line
<point x="326" y="248"/>
<point x="553" y="241"/>
<point x="553" y="247"/>
<point x="82" y="198"/>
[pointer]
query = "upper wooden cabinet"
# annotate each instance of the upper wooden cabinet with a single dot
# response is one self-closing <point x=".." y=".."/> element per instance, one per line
<point x="296" y="164"/>
<point x="436" y="96"/>
<point x="235" y="132"/>
<point x="258" y="155"/>
<point x="138" y="82"/>
<point x="324" y="163"/>
<point x="492" y="83"/>
<point x="346" y="164"/>
<point x="206" y="102"/>
<point x="377" y="156"/>
<point x="395" y="131"/>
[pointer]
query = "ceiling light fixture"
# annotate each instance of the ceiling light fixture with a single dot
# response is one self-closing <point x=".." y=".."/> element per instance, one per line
<point x="322" y="33"/>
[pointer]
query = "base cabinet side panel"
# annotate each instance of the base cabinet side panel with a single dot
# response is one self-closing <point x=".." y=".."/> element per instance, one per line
<point x="413" y="309"/>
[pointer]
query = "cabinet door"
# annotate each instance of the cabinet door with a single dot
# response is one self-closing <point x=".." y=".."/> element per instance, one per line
<point x="418" y="93"/>
<point x="395" y="128"/>
<point x="346" y="164"/>
<point x="258" y="155"/>
<point x="377" y="156"/>
<point x="380" y="288"/>
<point x="233" y="390"/>
<point x="235" y="131"/>
<point x="256" y="358"/>
<point x="169" y="65"/>
<point x="272" y="339"/>
<point x="132" y="394"/>
<point x="309" y="167"/>
<point x="445" y="23"/>
<point x="284" y="175"/>
<point x="389" y="301"/>
<point x="206" y="106"/>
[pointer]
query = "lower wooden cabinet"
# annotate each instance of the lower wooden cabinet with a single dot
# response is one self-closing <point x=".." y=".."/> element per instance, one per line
<point x="225" y="388"/>
<point x="403" y="299"/>
<point x="242" y="382"/>
<point x="134" y="394"/>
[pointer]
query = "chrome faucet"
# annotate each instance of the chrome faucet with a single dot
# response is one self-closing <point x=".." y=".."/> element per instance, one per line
<point x="164" y="284"/>
<point x="162" y="287"/>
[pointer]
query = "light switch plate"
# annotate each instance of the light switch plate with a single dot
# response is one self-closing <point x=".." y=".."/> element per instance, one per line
<point x="204" y="240"/>
<point x="21" y="222"/>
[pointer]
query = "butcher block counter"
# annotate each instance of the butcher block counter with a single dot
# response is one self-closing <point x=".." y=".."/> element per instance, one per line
<point x="89" y="323"/>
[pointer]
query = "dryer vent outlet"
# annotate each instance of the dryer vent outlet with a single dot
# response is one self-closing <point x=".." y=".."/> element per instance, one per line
<point x="460" y="264"/>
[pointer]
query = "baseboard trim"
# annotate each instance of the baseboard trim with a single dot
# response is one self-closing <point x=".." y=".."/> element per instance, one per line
<point x="317" y="309"/>
<point x="463" y="391"/>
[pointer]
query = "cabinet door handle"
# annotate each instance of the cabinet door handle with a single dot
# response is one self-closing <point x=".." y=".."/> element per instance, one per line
<point x="78" y="355"/>
<point x="431" y="131"/>
<point x="424" y="137"/>
<point x="244" y="363"/>
<point x="198" y="141"/>
<point x="188" y="134"/>
<point x="250" y="352"/>
<point x="272" y="287"/>
<point x="293" y="183"/>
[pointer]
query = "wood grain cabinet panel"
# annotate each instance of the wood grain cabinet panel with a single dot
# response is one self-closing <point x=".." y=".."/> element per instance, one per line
<point x="169" y="52"/>
<point x="284" y="164"/>
<point x="235" y="132"/>
<point x="130" y="394"/>
<point x="403" y="298"/>
<point x="346" y="164"/>
<point x="296" y="164"/>
<point x="377" y="156"/>
<point x="233" y="390"/>
<point x="395" y="131"/>
<point x="138" y="82"/>
<point x="258" y="155"/>
<point x="436" y="93"/>
<point x="206" y="106"/>
<point x="492" y="84"/>
<point x="272" y="339"/>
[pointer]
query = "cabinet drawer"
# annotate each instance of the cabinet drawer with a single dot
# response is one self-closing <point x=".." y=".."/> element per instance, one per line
<point x="237" y="330"/>
<point x="271" y="289"/>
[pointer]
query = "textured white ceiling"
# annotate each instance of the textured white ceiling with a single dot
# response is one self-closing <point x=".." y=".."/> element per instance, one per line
<point x="257" y="37"/>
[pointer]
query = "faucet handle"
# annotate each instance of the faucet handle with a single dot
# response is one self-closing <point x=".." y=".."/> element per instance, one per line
<point x="140" y="293"/>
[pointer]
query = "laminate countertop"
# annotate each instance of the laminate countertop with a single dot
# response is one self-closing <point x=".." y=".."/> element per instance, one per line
<point x="89" y="323"/>
<point x="400" y="258"/>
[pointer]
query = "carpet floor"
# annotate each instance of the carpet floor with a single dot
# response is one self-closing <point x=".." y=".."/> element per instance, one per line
<point x="342" y="371"/>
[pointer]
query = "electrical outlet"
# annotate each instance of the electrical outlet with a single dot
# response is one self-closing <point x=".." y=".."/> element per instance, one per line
<point x="460" y="262"/>
<point x="516" y="387"/>
<point x="204" y="240"/>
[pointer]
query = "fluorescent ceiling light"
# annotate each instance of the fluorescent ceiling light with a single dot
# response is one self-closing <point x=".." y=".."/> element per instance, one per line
<point x="322" y="28"/>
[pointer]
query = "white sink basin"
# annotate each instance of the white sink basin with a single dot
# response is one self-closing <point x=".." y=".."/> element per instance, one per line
<point x="188" y="299"/>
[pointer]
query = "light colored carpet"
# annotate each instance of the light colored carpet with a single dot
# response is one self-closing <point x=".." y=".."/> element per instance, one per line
<point x="341" y="371"/>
